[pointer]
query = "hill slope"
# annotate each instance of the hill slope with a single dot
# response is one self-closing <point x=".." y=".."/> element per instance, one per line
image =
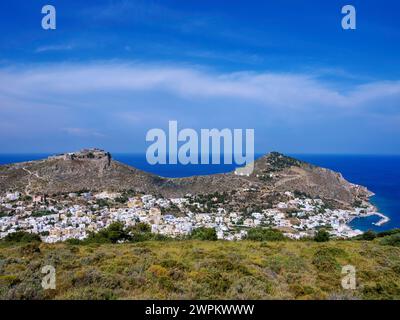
<point x="202" y="270"/>
<point x="96" y="171"/>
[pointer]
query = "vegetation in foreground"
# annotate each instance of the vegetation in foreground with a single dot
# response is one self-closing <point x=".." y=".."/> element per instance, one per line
<point x="197" y="269"/>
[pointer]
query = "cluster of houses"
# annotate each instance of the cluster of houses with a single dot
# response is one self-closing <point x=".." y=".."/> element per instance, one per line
<point x="75" y="215"/>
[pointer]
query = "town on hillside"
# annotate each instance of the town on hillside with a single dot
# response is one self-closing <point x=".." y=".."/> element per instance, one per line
<point x="60" y="217"/>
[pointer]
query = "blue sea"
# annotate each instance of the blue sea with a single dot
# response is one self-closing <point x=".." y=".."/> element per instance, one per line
<point x="380" y="174"/>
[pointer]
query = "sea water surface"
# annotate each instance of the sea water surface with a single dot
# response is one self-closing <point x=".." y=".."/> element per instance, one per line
<point x="380" y="174"/>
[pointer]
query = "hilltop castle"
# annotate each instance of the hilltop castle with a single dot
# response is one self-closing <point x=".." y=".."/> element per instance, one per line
<point x="84" y="154"/>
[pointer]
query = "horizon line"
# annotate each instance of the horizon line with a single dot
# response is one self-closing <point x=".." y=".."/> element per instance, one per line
<point x="255" y="154"/>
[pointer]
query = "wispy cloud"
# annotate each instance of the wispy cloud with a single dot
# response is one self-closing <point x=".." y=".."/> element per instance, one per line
<point x="58" y="47"/>
<point x="270" y="90"/>
<point x="114" y="104"/>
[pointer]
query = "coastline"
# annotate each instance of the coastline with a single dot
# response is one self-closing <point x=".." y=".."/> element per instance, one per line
<point x="343" y="226"/>
<point x="384" y="219"/>
<point x="373" y="211"/>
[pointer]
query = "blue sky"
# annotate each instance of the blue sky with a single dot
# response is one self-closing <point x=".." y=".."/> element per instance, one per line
<point x="112" y="70"/>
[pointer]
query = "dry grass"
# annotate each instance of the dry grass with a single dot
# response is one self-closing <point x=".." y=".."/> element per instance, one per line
<point x="201" y="270"/>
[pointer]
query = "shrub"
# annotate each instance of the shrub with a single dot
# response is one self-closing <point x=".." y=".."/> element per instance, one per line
<point x="141" y="236"/>
<point x="324" y="260"/>
<point x="158" y="271"/>
<point x="114" y="233"/>
<point x="142" y="232"/>
<point x="26" y="198"/>
<point x="262" y="234"/>
<point x="141" y="227"/>
<point x="22" y="236"/>
<point x="388" y="233"/>
<point x="393" y="240"/>
<point x="30" y="248"/>
<point x="102" y="203"/>
<point x="249" y="287"/>
<point x="9" y="280"/>
<point x="41" y="213"/>
<point x="122" y="199"/>
<point x="368" y="235"/>
<point x="74" y="241"/>
<point x="203" y="233"/>
<point x="322" y="236"/>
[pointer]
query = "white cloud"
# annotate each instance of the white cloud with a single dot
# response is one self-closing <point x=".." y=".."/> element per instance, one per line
<point x="61" y="106"/>
<point x="270" y="90"/>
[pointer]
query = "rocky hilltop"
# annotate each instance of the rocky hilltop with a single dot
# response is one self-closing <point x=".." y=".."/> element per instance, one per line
<point x="95" y="170"/>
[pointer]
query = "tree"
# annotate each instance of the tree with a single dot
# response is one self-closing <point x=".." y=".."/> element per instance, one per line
<point x="322" y="236"/>
<point x="142" y="232"/>
<point x="102" y="203"/>
<point x="141" y="227"/>
<point x="203" y="233"/>
<point x="264" y="234"/>
<point x="368" y="235"/>
<point x="112" y="234"/>
<point x="122" y="199"/>
<point x="22" y="236"/>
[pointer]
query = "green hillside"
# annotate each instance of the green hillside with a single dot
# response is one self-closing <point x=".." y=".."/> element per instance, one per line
<point x="192" y="269"/>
